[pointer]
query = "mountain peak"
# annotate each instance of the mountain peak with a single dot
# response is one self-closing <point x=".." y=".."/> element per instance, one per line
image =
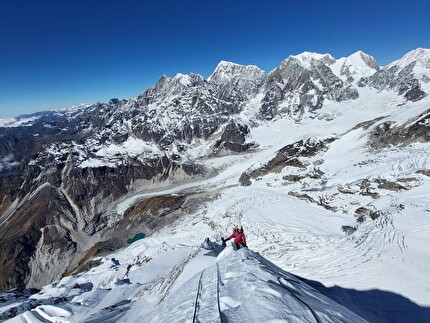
<point x="306" y="58"/>
<point x="183" y="79"/>
<point x="228" y="70"/>
<point x="226" y="64"/>
<point x="419" y="55"/>
<point x="360" y="54"/>
<point x="359" y="57"/>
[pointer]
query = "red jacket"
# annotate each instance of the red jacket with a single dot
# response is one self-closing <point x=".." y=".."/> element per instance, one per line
<point x="240" y="238"/>
<point x="233" y="235"/>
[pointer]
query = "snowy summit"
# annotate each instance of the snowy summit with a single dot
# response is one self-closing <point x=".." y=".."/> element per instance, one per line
<point x="117" y="211"/>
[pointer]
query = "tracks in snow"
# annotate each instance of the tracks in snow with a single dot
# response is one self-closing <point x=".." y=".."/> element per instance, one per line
<point x="207" y="305"/>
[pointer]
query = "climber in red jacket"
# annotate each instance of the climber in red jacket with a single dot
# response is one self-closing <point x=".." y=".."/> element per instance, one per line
<point x="233" y="235"/>
<point x="239" y="237"/>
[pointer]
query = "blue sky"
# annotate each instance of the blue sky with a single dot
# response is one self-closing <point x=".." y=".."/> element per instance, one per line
<point x="59" y="53"/>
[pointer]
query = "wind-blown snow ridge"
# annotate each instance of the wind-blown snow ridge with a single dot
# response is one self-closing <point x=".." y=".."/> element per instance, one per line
<point x="307" y="57"/>
<point x="420" y="55"/>
<point x="357" y="65"/>
<point x="228" y="285"/>
<point x="325" y="164"/>
<point x="227" y="71"/>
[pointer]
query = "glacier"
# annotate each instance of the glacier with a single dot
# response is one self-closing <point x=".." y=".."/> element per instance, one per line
<point x="338" y="233"/>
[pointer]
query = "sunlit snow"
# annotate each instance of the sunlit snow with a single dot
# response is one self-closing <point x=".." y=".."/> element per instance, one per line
<point x="300" y="266"/>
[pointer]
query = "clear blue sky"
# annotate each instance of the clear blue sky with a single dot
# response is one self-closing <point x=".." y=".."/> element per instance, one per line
<point x="56" y="53"/>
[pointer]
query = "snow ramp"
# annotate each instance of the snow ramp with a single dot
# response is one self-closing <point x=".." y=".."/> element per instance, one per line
<point x="242" y="286"/>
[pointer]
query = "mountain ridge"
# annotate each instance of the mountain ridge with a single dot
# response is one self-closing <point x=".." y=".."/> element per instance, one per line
<point x="85" y="162"/>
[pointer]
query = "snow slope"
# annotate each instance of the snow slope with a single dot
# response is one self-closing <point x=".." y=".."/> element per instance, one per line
<point x="380" y="271"/>
<point x="301" y="265"/>
<point x="224" y="286"/>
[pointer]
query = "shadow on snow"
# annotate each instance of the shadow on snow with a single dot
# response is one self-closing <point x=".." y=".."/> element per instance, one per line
<point x="374" y="305"/>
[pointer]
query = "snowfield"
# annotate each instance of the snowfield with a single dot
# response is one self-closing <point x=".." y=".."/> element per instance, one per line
<point x="347" y="242"/>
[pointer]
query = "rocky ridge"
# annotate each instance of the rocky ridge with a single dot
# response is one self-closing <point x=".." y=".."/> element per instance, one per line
<point x="64" y="172"/>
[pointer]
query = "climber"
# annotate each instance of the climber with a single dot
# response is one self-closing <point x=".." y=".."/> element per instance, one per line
<point x="239" y="237"/>
<point x="233" y="235"/>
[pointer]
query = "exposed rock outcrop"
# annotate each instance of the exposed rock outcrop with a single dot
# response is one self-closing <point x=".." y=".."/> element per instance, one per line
<point x="63" y="173"/>
<point x="388" y="133"/>
<point x="405" y="76"/>
<point x="290" y="155"/>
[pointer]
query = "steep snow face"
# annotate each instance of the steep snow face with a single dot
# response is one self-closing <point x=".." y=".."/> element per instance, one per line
<point x="106" y="162"/>
<point x="351" y="217"/>
<point x="355" y="66"/>
<point x="306" y="58"/>
<point x="244" y="286"/>
<point x="227" y="72"/>
<point x="209" y="287"/>
<point x="420" y="55"/>
<point x="409" y="76"/>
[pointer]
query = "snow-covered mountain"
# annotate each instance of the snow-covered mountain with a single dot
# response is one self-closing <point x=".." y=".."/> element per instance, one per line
<point x="356" y="66"/>
<point x="210" y="286"/>
<point x="408" y="76"/>
<point x="324" y="161"/>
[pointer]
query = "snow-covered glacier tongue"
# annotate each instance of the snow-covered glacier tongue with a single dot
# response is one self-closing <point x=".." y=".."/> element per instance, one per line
<point x="324" y="162"/>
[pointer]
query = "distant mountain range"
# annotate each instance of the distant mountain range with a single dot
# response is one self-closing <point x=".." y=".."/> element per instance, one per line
<point x="73" y="181"/>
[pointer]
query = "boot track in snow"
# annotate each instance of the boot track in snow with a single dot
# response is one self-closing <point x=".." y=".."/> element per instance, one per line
<point x="209" y="291"/>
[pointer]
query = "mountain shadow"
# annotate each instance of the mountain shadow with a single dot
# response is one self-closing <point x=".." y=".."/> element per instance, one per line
<point x="375" y="305"/>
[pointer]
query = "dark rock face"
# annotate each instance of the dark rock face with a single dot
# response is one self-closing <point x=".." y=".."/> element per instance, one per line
<point x="387" y="133"/>
<point x="293" y="89"/>
<point x="180" y="108"/>
<point x="233" y="139"/>
<point x="290" y="155"/>
<point x="348" y="229"/>
<point x="291" y="84"/>
<point x="398" y="78"/>
<point x="336" y="89"/>
<point x="63" y="173"/>
<point x="52" y="202"/>
<point x="22" y="233"/>
<point x="235" y="84"/>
